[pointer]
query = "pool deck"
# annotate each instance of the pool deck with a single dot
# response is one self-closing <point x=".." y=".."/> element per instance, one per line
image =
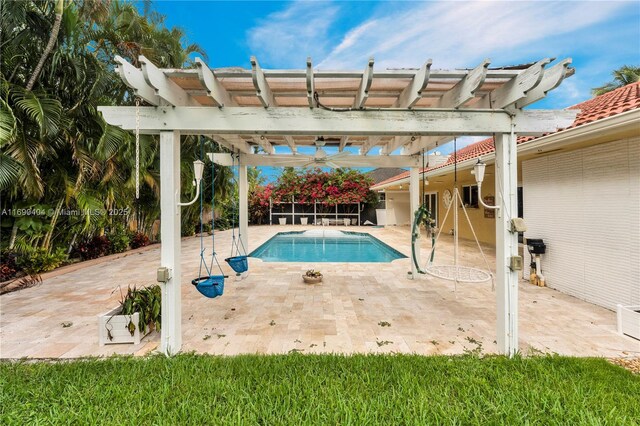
<point x="359" y="307"/>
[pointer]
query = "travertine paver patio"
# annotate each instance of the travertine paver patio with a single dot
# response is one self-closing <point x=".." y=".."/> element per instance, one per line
<point x="358" y="308"/>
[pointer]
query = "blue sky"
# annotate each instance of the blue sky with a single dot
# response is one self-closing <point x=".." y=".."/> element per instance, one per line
<point x="599" y="36"/>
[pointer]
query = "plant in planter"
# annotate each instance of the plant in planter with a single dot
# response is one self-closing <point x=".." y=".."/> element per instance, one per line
<point x="312" y="276"/>
<point x="138" y="313"/>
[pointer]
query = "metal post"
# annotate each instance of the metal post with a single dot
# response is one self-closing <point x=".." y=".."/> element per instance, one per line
<point x="414" y="203"/>
<point x="506" y="244"/>
<point x="243" y="194"/>
<point x="171" y="332"/>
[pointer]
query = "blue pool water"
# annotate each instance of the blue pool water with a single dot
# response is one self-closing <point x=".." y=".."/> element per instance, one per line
<point x="325" y="246"/>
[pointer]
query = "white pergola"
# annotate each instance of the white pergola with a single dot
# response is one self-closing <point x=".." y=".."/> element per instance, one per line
<point x="407" y="110"/>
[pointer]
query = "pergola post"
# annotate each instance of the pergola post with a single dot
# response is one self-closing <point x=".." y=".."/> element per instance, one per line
<point x="243" y="194"/>
<point x="171" y="332"/>
<point x="414" y="203"/>
<point x="506" y="243"/>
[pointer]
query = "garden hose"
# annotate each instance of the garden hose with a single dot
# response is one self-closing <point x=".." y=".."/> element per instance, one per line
<point x="420" y="214"/>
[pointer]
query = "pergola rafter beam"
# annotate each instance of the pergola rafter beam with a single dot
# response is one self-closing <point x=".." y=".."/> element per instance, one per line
<point x="365" y="84"/>
<point x="291" y="143"/>
<point x="343" y="143"/>
<point x="263" y="91"/>
<point x="165" y="88"/>
<point x="395" y="143"/>
<point x="515" y="89"/>
<point x="132" y="77"/>
<point x="455" y="97"/>
<point x="233" y="143"/>
<point x="551" y="79"/>
<point x="369" y="144"/>
<point x="215" y="89"/>
<point x="413" y="92"/>
<point x="312" y="122"/>
<point x="264" y="143"/>
<point x="465" y="89"/>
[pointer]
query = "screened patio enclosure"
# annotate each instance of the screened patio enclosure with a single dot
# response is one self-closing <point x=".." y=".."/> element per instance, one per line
<point x="391" y="116"/>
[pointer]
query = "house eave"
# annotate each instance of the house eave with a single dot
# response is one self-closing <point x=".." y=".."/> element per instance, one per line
<point x="595" y="129"/>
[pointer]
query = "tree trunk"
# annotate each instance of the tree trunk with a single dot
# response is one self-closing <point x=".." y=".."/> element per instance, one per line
<point x="52" y="41"/>
<point x="14" y="234"/>
<point x="73" y="241"/>
<point x="54" y="219"/>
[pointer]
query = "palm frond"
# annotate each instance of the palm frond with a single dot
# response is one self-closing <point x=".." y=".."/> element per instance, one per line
<point x="45" y="112"/>
<point x="7" y="124"/>
<point x="10" y="171"/>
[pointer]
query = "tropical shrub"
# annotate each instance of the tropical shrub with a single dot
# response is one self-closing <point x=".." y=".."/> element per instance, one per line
<point x="118" y="240"/>
<point x="138" y="239"/>
<point x="8" y="266"/>
<point x="37" y="261"/>
<point x="93" y="248"/>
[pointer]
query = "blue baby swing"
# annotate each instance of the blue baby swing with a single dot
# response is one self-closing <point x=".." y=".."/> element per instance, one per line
<point x="238" y="260"/>
<point x="209" y="285"/>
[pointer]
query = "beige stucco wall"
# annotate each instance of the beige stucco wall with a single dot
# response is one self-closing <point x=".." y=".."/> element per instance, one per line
<point x="485" y="228"/>
<point x="398" y="208"/>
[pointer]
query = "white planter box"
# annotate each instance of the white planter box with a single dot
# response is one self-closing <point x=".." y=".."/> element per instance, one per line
<point x="303" y="220"/>
<point x="282" y="220"/>
<point x="118" y="325"/>
<point x="629" y="321"/>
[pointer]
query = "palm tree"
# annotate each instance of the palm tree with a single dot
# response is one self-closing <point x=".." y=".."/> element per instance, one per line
<point x="55" y="148"/>
<point x="621" y="77"/>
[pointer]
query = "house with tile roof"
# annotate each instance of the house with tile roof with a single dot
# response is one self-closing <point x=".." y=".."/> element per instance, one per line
<point x="578" y="190"/>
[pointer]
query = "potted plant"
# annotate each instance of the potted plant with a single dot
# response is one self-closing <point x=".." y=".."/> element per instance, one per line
<point x="138" y="314"/>
<point x="282" y="220"/>
<point x="304" y="220"/>
<point x="312" y="277"/>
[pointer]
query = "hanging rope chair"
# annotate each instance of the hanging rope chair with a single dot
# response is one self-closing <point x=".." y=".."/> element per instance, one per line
<point x="238" y="259"/>
<point x="452" y="272"/>
<point x="209" y="285"/>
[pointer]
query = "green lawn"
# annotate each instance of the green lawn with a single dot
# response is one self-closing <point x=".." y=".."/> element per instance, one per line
<point x="319" y="389"/>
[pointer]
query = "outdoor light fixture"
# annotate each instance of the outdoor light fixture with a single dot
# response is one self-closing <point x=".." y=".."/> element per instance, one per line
<point x="198" y="169"/>
<point x="478" y="172"/>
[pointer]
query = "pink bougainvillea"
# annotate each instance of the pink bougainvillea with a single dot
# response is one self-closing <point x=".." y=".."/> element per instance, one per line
<point x="308" y="186"/>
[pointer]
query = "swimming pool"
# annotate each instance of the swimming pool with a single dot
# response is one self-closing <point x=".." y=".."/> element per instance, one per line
<point x="320" y="245"/>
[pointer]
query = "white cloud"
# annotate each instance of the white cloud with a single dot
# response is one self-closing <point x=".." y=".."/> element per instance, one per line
<point x="286" y="38"/>
<point x="462" y="34"/>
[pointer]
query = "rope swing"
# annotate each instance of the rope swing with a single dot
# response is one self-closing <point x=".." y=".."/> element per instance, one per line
<point x="209" y="285"/>
<point x="455" y="272"/>
<point x="238" y="259"/>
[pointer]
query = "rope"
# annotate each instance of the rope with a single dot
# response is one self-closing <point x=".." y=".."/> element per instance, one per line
<point x="203" y="262"/>
<point x="486" y="262"/>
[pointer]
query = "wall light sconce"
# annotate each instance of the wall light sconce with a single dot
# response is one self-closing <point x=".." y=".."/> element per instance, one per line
<point x="478" y="172"/>
<point x="198" y="169"/>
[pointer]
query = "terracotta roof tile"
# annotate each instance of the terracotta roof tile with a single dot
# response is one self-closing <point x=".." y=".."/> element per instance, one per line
<point x="609" y="104"/>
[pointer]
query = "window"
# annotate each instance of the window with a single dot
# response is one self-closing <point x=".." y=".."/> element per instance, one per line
<point x="382" y="200"/>
<point x="431" y="201"/>
<point x="470" y="196"/>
